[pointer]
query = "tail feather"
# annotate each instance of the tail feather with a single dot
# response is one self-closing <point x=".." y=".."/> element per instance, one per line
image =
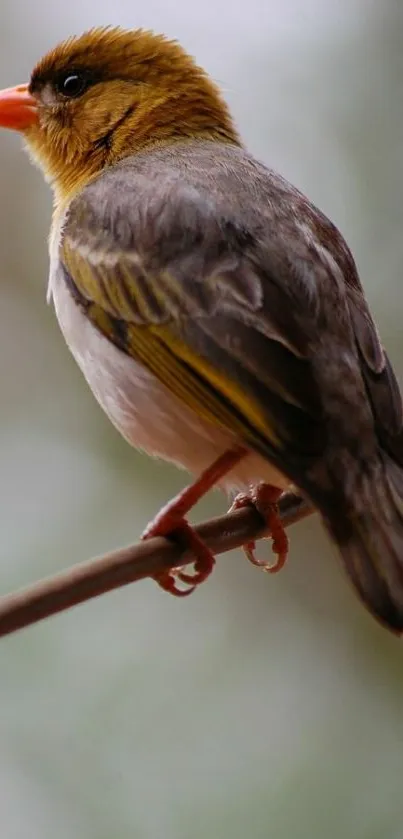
<point x="370" y="540"/>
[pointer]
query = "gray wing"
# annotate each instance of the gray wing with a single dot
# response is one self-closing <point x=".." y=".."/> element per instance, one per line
<point x="232" y="270"/>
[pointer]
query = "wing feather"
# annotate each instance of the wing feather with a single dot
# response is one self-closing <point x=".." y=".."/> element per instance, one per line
<point x="243" y="321"/>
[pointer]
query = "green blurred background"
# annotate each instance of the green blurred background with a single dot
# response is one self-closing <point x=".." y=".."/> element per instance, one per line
<point x="260" y="707"/>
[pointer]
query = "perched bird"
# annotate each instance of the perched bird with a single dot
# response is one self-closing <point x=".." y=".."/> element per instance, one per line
<point x="216" y="314"/>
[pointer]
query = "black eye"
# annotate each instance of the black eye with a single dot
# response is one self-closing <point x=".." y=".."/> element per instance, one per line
<point x="72" y="84"/>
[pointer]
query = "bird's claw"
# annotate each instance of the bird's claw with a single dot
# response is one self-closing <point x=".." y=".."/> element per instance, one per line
<point x="264" y="498"/>
<point x="180" y="530"/>
<point x="171" y="522"/>
<point x="167" y="581"/>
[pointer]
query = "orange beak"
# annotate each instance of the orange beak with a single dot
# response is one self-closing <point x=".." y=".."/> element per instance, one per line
<point x="18" y="109"/>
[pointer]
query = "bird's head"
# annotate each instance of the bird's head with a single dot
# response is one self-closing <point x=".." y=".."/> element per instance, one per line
<point x="106" y="94"/>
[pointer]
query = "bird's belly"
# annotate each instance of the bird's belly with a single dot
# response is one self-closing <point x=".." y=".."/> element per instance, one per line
<point x="144" y="410"/>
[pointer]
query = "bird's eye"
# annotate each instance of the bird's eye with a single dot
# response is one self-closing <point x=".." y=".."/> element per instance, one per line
<point x="72" y="84"/>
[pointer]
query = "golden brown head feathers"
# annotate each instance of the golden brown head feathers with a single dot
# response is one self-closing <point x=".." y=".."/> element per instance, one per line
<point x="110" y="92"/>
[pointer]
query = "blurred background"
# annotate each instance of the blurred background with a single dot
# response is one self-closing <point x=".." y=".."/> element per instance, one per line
<point x="260" y="706"/>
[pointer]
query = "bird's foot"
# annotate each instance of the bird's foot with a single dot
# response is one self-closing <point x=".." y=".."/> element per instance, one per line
<point x="171" y="522"/>
<point x="264" y="498"/>
<point x="180" y="531"/>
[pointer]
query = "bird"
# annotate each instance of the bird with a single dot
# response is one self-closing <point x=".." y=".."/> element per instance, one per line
<point x="215" y="312"/>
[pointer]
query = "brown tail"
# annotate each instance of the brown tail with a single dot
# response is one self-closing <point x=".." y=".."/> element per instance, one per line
<point x="371" y="542"/>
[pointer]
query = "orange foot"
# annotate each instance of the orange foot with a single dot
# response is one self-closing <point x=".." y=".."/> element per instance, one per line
<point x="171" y="522"/>
<point x="183" y="533"/>
<point x="264" y="498"/>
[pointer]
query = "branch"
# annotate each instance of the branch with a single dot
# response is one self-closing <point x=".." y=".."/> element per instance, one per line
<point x="127" y="565"/>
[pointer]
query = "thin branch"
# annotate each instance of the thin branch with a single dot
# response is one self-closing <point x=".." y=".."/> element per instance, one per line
<point x="127" y="565"/>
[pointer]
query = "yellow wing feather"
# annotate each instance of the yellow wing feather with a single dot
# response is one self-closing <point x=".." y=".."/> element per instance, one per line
<point x="192" y="379"/>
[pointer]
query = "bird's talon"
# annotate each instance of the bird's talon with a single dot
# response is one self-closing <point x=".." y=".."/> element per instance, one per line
<point x="188" y="579"/>
<point x="200" y="573"/>
<point x="249" y="549"/>
<point x="168" y="583"/>
<point x="181" y="531"/>
<point x="264" y="498"/>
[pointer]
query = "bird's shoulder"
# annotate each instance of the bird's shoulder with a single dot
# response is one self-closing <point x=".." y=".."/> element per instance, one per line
<point x="185" y="187"/>
<point x="207" y="197"/>
<point x="203" y="208"/>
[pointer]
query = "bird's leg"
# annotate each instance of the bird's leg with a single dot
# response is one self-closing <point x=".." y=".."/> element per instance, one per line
<point x="264" y="498"/>
<point x="171" y="522"/>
